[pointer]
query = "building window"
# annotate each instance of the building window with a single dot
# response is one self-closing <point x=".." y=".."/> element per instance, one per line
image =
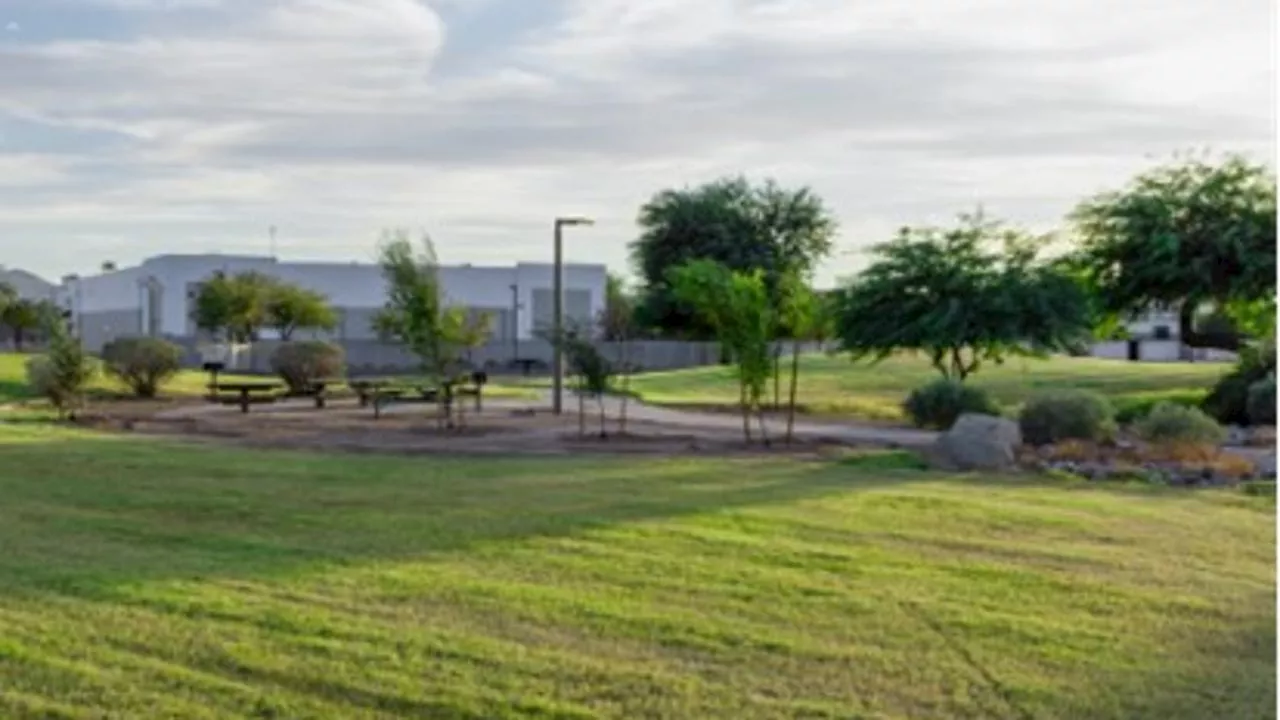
<point x="1162" y="332"/>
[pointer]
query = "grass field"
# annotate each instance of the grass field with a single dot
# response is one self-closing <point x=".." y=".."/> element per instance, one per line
<point x="837" y="386"/>
<point x="143" y="579"/>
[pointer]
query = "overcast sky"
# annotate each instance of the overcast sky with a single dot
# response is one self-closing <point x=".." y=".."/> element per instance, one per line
<point x="136" y="127"/>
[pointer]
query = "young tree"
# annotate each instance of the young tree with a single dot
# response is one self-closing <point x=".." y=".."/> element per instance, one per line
<point x="617" y="324"/>
<point x="64" y="372"/>
<point x="736" y="306"/>
<point x="288" y="308"/>
<point x="417" y="315"/>
<point x="809" y="317"/>
<point x="23" y="317"/>
<point x="966" y="295"/>
<point x="592" y="370"/>
<point x="1184" y="235"/>
<point x="742" y="226"/>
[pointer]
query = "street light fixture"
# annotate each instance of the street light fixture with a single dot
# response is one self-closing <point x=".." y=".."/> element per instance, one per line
<point x="557" y="310"/>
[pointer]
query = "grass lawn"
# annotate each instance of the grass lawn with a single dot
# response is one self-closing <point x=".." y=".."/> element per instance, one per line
<point x="146" y="579"/>
<point x="837" y="386"/>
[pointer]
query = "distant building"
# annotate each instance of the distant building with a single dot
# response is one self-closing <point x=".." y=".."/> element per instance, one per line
<point x="157" y="297"/>
<point x="29" y="286"/>
<point x="1154" y="336"/>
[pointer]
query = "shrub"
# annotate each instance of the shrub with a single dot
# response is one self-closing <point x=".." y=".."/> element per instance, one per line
<point x="301" y="363"/>
<point x="1132" y="408"/>
<point x="1261" y="405"/>
<point x="143" y="364"/>
<point x="1170" y="424"/>
<point x="1229" y="399"/>
<point x="62" y="374"/>
<point x="1066" y="415"/>
<point x="940" y="403"/>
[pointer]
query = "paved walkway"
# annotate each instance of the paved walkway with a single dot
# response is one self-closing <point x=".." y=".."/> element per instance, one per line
<point x="639" y="411"/>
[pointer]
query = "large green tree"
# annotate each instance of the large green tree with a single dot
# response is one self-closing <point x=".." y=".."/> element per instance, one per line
<point x="237" y="307"/>
<point x="742" y="226"/>
<point x="1186" y="235"/>
<point x="963" y="296"/>
<point x="25" y="317"/>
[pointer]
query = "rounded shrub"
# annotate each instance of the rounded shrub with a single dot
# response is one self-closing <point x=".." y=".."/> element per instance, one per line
<point x="1229" y="399"/>
<point x="1170" y="424"/>
<point x="304" y="362"/>
<point x="1066" y="415"/>
<point x="142" y="364"/>
<point x="1261" y="405"/>
<point x="1133" y="408"/>
<point x="940" y="403"/>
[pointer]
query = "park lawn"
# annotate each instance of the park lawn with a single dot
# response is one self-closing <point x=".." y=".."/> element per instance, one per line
<point x="835" y="385"/>
<point x="152" y="579"/>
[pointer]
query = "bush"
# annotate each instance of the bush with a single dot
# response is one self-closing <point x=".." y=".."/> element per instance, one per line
<point x="62" y="374"/>
<point x="143" y="364"/>
<point x="301" y="363"/>
<point x="1261" y="405"/>
<point x="1229" y="399"/>
<point x="1170" y="424"/>
<point x="1132" y="408"/>
<point x="940" y="403"/>
<point x="1066" y="415"/>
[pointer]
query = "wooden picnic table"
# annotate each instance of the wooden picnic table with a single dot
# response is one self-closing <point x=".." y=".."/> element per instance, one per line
<point x="367" y="389"/>
<point x="247" y="393"/>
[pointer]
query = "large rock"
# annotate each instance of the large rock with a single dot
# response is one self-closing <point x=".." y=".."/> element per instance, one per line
<point x="979" y="442"/>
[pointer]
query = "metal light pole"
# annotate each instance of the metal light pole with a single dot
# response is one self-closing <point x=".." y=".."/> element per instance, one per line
<point x="557" y="312"/>
<point x="515" y="323"/>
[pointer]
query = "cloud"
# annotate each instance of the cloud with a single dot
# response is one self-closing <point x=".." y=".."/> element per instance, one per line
<point x="202" y="120"/>
<point x="12" y="26"/>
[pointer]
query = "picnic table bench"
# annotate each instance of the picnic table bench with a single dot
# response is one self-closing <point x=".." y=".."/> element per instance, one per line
<point x="317" y="390"/>
<point x="367" y="389"/>
<point x="244" y="394"/>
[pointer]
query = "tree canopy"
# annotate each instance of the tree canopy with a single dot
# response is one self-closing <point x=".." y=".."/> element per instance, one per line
<point x="1184" y="235"/>
<point x="742" y="226"/>
<point x="239" y="306"/>
<point x="964" y="295"/>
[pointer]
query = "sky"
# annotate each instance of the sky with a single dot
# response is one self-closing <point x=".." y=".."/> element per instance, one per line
<point x="130" y="128"/>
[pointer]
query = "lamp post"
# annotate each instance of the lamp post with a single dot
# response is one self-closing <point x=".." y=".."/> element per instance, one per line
<point x="557" y="311"/>
<point x="515" y="323"/>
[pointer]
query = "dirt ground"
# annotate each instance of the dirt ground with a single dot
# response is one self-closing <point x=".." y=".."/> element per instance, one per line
<point x="507" y="429"/>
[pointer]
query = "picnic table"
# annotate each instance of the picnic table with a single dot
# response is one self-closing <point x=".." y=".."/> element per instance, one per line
<point x="366" y="390"/>
<point x="316" y="390"/>
<point x="245" y="394"/>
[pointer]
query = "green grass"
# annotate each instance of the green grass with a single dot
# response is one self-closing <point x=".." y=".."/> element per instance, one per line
<point x="835" y="385"/>
<point x="157" y="580"/>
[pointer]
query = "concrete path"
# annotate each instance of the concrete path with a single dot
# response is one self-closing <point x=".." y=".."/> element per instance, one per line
<point x="639" y="411"/>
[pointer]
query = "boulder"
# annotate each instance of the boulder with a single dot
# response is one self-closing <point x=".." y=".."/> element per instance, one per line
<point x="979" y="442"/>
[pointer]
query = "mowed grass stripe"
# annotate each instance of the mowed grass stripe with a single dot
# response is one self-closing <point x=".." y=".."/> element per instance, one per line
<point x="155" y="579"/>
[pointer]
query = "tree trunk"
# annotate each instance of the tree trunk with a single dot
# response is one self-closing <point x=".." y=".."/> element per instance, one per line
<point x="285" y="334"/>
<point x="746" y="412"/>
<point x="777" y="376"/>
<point x="764" y="433"/>
<point x="795" y="382"/>
<point x="582" y="413"/>
<point x="1189" y="336"/>
<point x="626" y="387"/>
<point x="18" y="335"/>
<point x="600" y="403"/>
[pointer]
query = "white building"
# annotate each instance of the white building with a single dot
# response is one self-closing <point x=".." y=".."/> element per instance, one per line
<point x="29" y="286"/>
<point x="156" y="298"/>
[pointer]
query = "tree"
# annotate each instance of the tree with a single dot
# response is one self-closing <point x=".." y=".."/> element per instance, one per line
<point x="23" y="317"/>
<point x="808" y="315"/>
<point x="966" y="295"/>
<point x="289" y="308"/>
<point x="731" y="222"/>
<point x="63" y="373"/>
<point x="234" y="307"/>
<point x="1184" y="235"/>
<point x="142" y="363"/>
<point x="736" y="305"/>
<point x="594" y="372"/>
<point x="417" y="315"/>
<point x="617" y="324"/>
